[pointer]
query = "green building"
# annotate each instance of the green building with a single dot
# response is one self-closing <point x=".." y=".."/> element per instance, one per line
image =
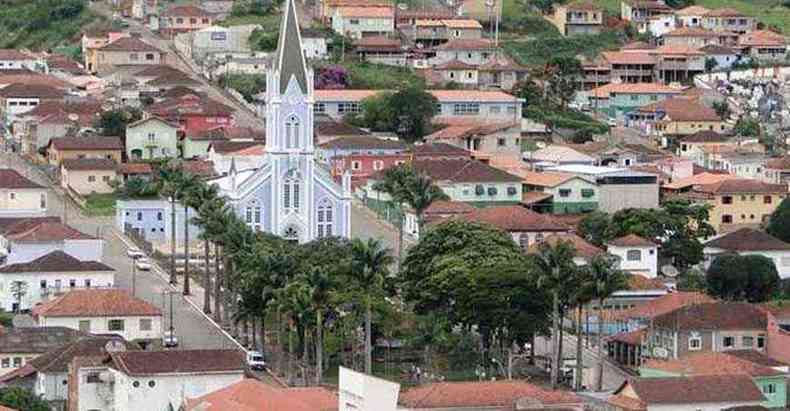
<point x="617" y="99"/>
<point x="564" y="193"/>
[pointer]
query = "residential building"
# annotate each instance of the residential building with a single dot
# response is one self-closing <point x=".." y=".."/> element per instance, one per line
<point x="359" y="22"/>
<point x="438" y="210"/>
<point x="18" y="98"/>
<point x="777" y="171"/>
<point x="636" y="255"/>
<point x="770" y="379"/>
<point x="678" y="63"/>
<point x="721" y="392"/>
<point x="691" y="16"/>
<point x="639" y="12"/>
<point x="594" y="75"/>
<point x="684" y="185"/>
<point x="184" y="18"/>
<point x="48" y="375"/>
<point x="51" y="275"/>
<point x="345" y="146"/>
<point x="707" y="327"/>
<point x="489" y="395"/>
<point x="744" y="164"/>
<point x="153" y="219"/>
<point x="729" y="19"/>
<point x="739" y="203"/>
<point x="192" y="113"/>
<point x="679" y="116"/>
<point x="500" y="72"/>
<point x="748" y="241"/>
<point x="525" y="226"/>
<point x="329" y="130"/>
<point x="471" y="51"/>
<point x="584" y="251"/>
<point x="11" y="59"/>
<point x="764" y="45"/>
<point x="618" y="99"/>
<point x="85" y="176"/>
<point x="127" y="51"/>
<point x="433" y="32"/>
<point x="692" y="146"/>
<point x="637" y="66"/>
<point x="568" y="193"/>
<point x="248" y="393"/>
<point x="724" y="57"/>
<point x="158" y="379"/>
<point x="314" y="43"/>
<point x="381" y="50"/>
<point x="200" y="44"/>
<point x="660" y="25"/>
<point x="557" y="155"/>
<point x="151" y="138"/>
<point x="493" y="142"/>
<point x="54" y="119"/>
<point x="698" y="37"/>
<point x="25" y="239"/>
<point x="103" y="311"/>
<point x="328" y="8"/>
<point x="20" y="196"/>
<point x="197" y="145"/>
<point x="579" y="17"/>
<point x="19" y="345"/>
<point x="84" y="147"/>
<point x="618" y="188"/>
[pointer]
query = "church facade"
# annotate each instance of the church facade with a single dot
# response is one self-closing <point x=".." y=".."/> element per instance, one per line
<point x="290" y="195"/>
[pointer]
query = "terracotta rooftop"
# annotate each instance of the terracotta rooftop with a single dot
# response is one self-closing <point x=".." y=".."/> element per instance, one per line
<point x="547" y="179"/>
<point x="253" y="395"/>
<point x="228" y="147"/>
<point x="96" y="303"/>
<point x="637" y="282"/>
<point x="185" y="11"/>
<point x="377" y="43"/>
<point x="367" y="12"/>
<point x="31" y="78"/>
<point x="454" y="64"/>
<point x="229" y="133"/>
<point x="467" y="44"/>
<point x="444" y="208"/>
<point x="629" y="337"/>
<point x="88" y="164"/>
<point x="741" y="186"/>
<point x="693" y="390"/>
<point x="437" y="150"/>
<point x="135" y="168"/>
<point x="664" y="304"/>
<point x="188" y="105"/>
<point x="130" y="44"/>
<point x="691" y="32"/>
<point x="44" y="231"/>
<point x="462" y="23"/>
<point x="335" y="128"/>
<point x="714" y="316"/>
<point x="55" y="262"/>
<point x="515" y="219"/>
<point x="628" y="57"/>
<point x="451" y="395"/>
<point x="583" y="248"/>
<point x="139" y="363"/>
<point x="692" y="11"/>
<point x="631" y="240"/>
<point x="58" y="360"/>
<point x="37" y="340"/>
<point x="675" y="50"/>
<point x="11" y="179"/>
<point x="762" y="38"/>
<point x="747" y="239"/>
<point x="363" y="143"/>
<point x="42" y="91"/>
<point x="756" y="357"/>
<point x="711" y="363"/>
<point x="779" y="163"/>
<point x="461" y="131"/>
<point x="473" y="96"/>
<point x="633" y="88"/>
<point x="682" y="109"/>
<point x="724" y="12"/>
<point x="706" y="136"/>
<point x="457" y="170"/>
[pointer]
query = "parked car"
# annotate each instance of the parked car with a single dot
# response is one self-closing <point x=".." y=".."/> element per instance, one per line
<point x="142" y="264"/>
<point x="135" y="253"/>
<point x="611" y="122"/>
<point x="169" y="339"/>
<point x="255" y="360"/>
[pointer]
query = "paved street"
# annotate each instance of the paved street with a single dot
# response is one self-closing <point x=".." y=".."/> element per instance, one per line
<point x="613" y="377"/>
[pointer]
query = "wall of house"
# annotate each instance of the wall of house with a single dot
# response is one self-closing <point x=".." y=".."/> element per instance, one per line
<point x="314" y="48"/>
<point x="622" y="103"/>
<point x="701" y="406"/>
<point x="473" y="57"/>
<point x="152" y="219"/>
<point x="736" y="24"/>
<point x="484" y="111"/>
<point x="85" y="182"/>
<point x="10" y="361"/>
<point x="684" y="128"/>
<point x="100" y="325"/>
<point x="615" y="197"/>
<point x="467" y="192"/>
<point x="57" y="156"/>
<point x="107" y="59"/>
<point x="83" y="250"/>
<point x="358" y="27"/>
<point x="36" y="294"/>
<point x="194" y="148"/>
<point x="661" y="25"/>
<point x="574" y="202"/>
<point x="150" y="140"/>
<point x="745" y="211"/>
<point x="28" y="202"/>
<point x="646" y="265"/>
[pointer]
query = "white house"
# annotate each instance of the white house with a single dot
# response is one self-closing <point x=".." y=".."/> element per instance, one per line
<point x="637" y="255"/>
<point x="103" y="311"/>
<point x="19" y="196"/>
<point x="48" y="276"/>
<point x="11" y="59"/>
<point x="19" y="98"/>
<point x="153" y="380"/>
<point x="747" y="241"/>
<point x="20" y="345"/>
<point x="28" y="239"/>
<point x="660" y="25"/>
<point x="314" y="44"/>
<point x="358" y="22"/>
<point x="359" y="391"/>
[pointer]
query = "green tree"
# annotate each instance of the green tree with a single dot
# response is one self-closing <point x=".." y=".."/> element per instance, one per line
<point x="747" y="127"/>
<point x="370" y="264"/>
<point x="751" y="278"/>
<point x="114" y="122"/>
<point x="722" y="108"/>
<point x="248" y="85"/>
<point x="554" y="268"/>
<point x="190" y="198"/>
<point x="562" y="79"/>
<point x="710" y="64"/>
<point x="208" y="204"/>
<point x="320" y="288"/>
<point x="22" y="399"/>
<point x="594" y="226"/>
<point x="376" y="113"/>
<point x="581" y="294"/>
<point x="18" y="291"/>
<point x="779" y="223"/>
<point x="169" y="181"/>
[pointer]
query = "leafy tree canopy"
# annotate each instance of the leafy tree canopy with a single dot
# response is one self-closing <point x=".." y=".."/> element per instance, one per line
<point x="407" y="112"/>
<point x="747" y="127"/>
<point x="779" y="223"/>
<point x="21" y="399"/>
<point x="751" y="278"/>
<point x="114" y="122"/>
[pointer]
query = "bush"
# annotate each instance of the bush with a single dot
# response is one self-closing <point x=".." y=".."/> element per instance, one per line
<point x="248" y="85"/>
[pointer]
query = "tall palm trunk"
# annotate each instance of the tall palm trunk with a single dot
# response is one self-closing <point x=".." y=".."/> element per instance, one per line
<point x="173" y="242"/>
<point x="319" y="349"/>
<point x="400" y="235"/>
<point x="555" y="334"/>
<point x="226" y="292"/>
<point x="599" y="381"/>
<point x="254" y="333"/>
<point x="579" y="359"/>
<point x="206" y="279"/>
<point x="305" y="355"/>
<point x="368" y="345"/>
<point x="262" y="333"/>
<point x="290" y="350"/>
<point x="187" y="290"/>
<point x="217" y="285"/>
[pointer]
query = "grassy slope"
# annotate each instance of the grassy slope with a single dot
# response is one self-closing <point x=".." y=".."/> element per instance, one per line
<point x="38" y="24"/>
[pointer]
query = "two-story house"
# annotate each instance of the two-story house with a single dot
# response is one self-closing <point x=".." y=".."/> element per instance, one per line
<point x="777" y="171"/>
<point x="631" y="66"/>
<point x="569" y="193"/>
<point x="49" y="276"/>
<point x="691" y="16"/>
<point x="639" y="12"/>
<point x="524" y="226"/>
<point x="691" y="145"/>
<point x="358" y="22"/>
<point x="151" y="138"/>
<point x="492" y="142"/>
<point x="11" y="59"/>
<point x="103" y="311"/>
<point x="20" y="345"/>
<point x="473" y="52"/>
<point x="764" y="45"/>
<point x="748" y="241"/>
<point x="722" y="392"/>
<point x="636" y="255"/>
<point x="618" y="99"/>
<point x="18" y="98"/>
<point x="679" y="116"/>
<point x="192" y="113"/>
<point x="184" y="18"/>
<point x="127" y="51"/>
<point x="72" y="147"/>
<point x="25" y="239"/>
<point x="678" y="63"/>
<point x="698" y="37"/>
<point x="53" y="119"/>
<point x="738" y="203"/>
<point x="618" y="188"/>
<point x="729" y="19"/>
<point x="85" y="176"/>
<point x="20" y="196"/>
<point x="578" y="17"/>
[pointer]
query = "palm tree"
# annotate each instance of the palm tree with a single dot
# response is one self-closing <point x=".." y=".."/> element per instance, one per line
<point x="209" y="203"/>
<point x="605" y="279"/>
<point x="581" y="294"/>
<point x="422" y="192"/>
<point x="319" y="285"/>
<point x="554" y="267"/>
<point x="394" y="182"/>
<point x="293" y="301"/>
<point x="170" y="179"/>
<point x="370" y="263"/>
<point x="190" y="185"/>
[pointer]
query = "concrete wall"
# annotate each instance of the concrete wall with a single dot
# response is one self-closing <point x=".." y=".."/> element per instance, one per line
<point x="467" y="192"/>
<point x="57" y="156"/>
<point x="615" y="197"/>
<point x="100" y="325"/>
<point x="23" y="202"/>
<point x="35" y="294"/>
<point x="647" y="264"/>
<point x="153" y="138"/>
<point x="85" y="182"/>
<point x="83" y="250"/>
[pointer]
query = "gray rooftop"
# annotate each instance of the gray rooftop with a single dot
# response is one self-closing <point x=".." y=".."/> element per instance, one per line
<point x="36" y="339"/>
<point x="290" y="58"/>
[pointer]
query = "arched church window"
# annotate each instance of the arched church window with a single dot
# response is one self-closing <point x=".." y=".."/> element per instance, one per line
<point x="291" y="192"/>
<point x="325" y="219"/>
<point x="292" y="132"/>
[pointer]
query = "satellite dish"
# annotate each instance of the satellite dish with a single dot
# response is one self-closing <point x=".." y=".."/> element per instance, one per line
<point x="489" y="3"/>
<point x="115" y="345"/>
<point x="450" y="3"/>
<point x="73" y="117"/>
<point x="403" y="6"/>
<point x="669" y="270"/>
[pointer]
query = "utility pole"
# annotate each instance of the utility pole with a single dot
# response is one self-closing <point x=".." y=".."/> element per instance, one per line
<point x="134" y="278"/>
<point x="172" y="240"/>
<point x="172" y="333"/>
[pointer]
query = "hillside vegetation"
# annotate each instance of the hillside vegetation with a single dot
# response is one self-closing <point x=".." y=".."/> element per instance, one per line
<point x="43" y="24"/>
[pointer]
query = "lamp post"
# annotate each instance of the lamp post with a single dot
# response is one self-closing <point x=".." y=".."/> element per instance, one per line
<point x="134" y="277"/>
<point x="172" y="239"/>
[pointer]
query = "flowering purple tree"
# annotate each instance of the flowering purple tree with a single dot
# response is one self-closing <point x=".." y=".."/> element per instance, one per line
<point x="331" y="77"/>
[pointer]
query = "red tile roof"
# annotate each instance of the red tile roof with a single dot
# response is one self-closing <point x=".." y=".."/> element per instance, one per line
<point x="363" y="143"/>
<point x="780" y="163"/>
<point x="56" y="261"/>
<point x="694" y="390"/>
<point x="253" y="395"/>
<point x="741" y="186"/>
<point x="58" y="360"/>
<point x="89" y="164"/>
<point x="583" y="248"/>
<point x="12" y="179"/>
<point x="724" y="12"/>
<point x="664" y="304"/>
<point x="86" y="143"/>
<point x="31" y="78"/>
<point x="705" y="136"/>
<point x="631" y="240"/>
<point x="135" y="168"/>
<point x="515" y="219"/>
<point x="459" y="170"/>
<point x="96" y="303"/>
<point x="683" y="109"/>
<point x="186" y="11"/>
<point x="189" y="105"/>
<point x="633" y="88"/>
<point x="747" y="239"/>
<point x="630" y="337"/>
<point x="467" y="44"/>
<point x="762" y="38"/>
<point x="483" y="394"/>
<point x="227" y="147"/>
<point x="42" y="91"/>
<point x="637" y="282"/>
<point x="367" y="12"/>
<point x="691" y="32"/>
<point x="130" y="44"/>
<point x="628" y="57"/>
<point x="335" y="128"/>
<point x="714" y="316"/>
<point x="45" y="231"/>
<point x="711" y="363"/>
<point x="139" y="363"/>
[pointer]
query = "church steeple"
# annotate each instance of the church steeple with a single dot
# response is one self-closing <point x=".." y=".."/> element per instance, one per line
<point x="290" y="62"/>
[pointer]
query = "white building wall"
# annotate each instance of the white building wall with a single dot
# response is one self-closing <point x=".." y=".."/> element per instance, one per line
<point x="52" y="387"/>
<point x="700" y="407"/>
<point x="23" y="202"/>
<point x="647" y="264"/>
<point x="35" y="294"/>
<point x="314" y="47"/>
<point x="358" y="391"/>
<point x="83" y="250"/>
<point x="100" y="325"/>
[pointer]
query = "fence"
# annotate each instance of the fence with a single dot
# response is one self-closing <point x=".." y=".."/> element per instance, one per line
<point x="386" y="210"/>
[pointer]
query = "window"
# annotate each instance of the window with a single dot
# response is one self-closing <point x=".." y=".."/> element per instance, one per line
<point x="115" y="325"/>
<point x="139" y="216"/>
<point x="588" y="192"/>
<point x="88" y="283"/>
<point x="85" y="326"/>
<point x="257" y="215"/>
<point x="205" y="21"/>
<point x="325" y="219"/>
<point x="356" y="165"/>
<point x="136" y="384"/>
<point x="193" y="21"/>
<point x="248" y="215"/>
<point x="344" y="108"/>
<point x="17" y="362"/>
<point x="92" y="378"/>
<point x="634" y="255"/>
<point x="6" y="363"/>
<point x="747" y="341"/>
<point x="726" y="200"/>
<point x="133" y="56"/>
<point x="728" y="342"/>
<point x="91" y="179"/>
<point x="42" y="201"/>
<point x="292" y="132"/>
<point x="72" y="283"/>
<point x="769" y="389"/>
<point x="539" y="238"/>
<point x="760" y="342"/>
<point x="353" y="21"/>
<point x="767" y="199"/>
<point x="523" y="241"/>
<point x="152" y="383"/>
<point x="43" y="283"/>
<point x="565" y="192"/>
<point x="151" y="137"/>
<point x="145" y="324"/>
<point x="106" y="179"/>
<point x="501" y="142"/>
<point x="179" y="20"/>
<point x="466" y="109"/>
<point x="12" y="196"/>
<point x="319" y="108"/>
<point x="726" y="219"/>
<point x="378" y="164"/>
<point x="291" y="194"/>
<point x="58" y="284"/>
<point x="494" y="109"/>
<point x="149" y="56"/>
<point x="159" y="216"/>
<point x="695" y="341"/>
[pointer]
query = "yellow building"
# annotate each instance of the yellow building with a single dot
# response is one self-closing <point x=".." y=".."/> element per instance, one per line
<point x="680" y="116"/>
<point x="579" y="17"/>
<point x="64" y="148"/>
<point x="739" y="202"/>
<point x="20" y="197"/>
